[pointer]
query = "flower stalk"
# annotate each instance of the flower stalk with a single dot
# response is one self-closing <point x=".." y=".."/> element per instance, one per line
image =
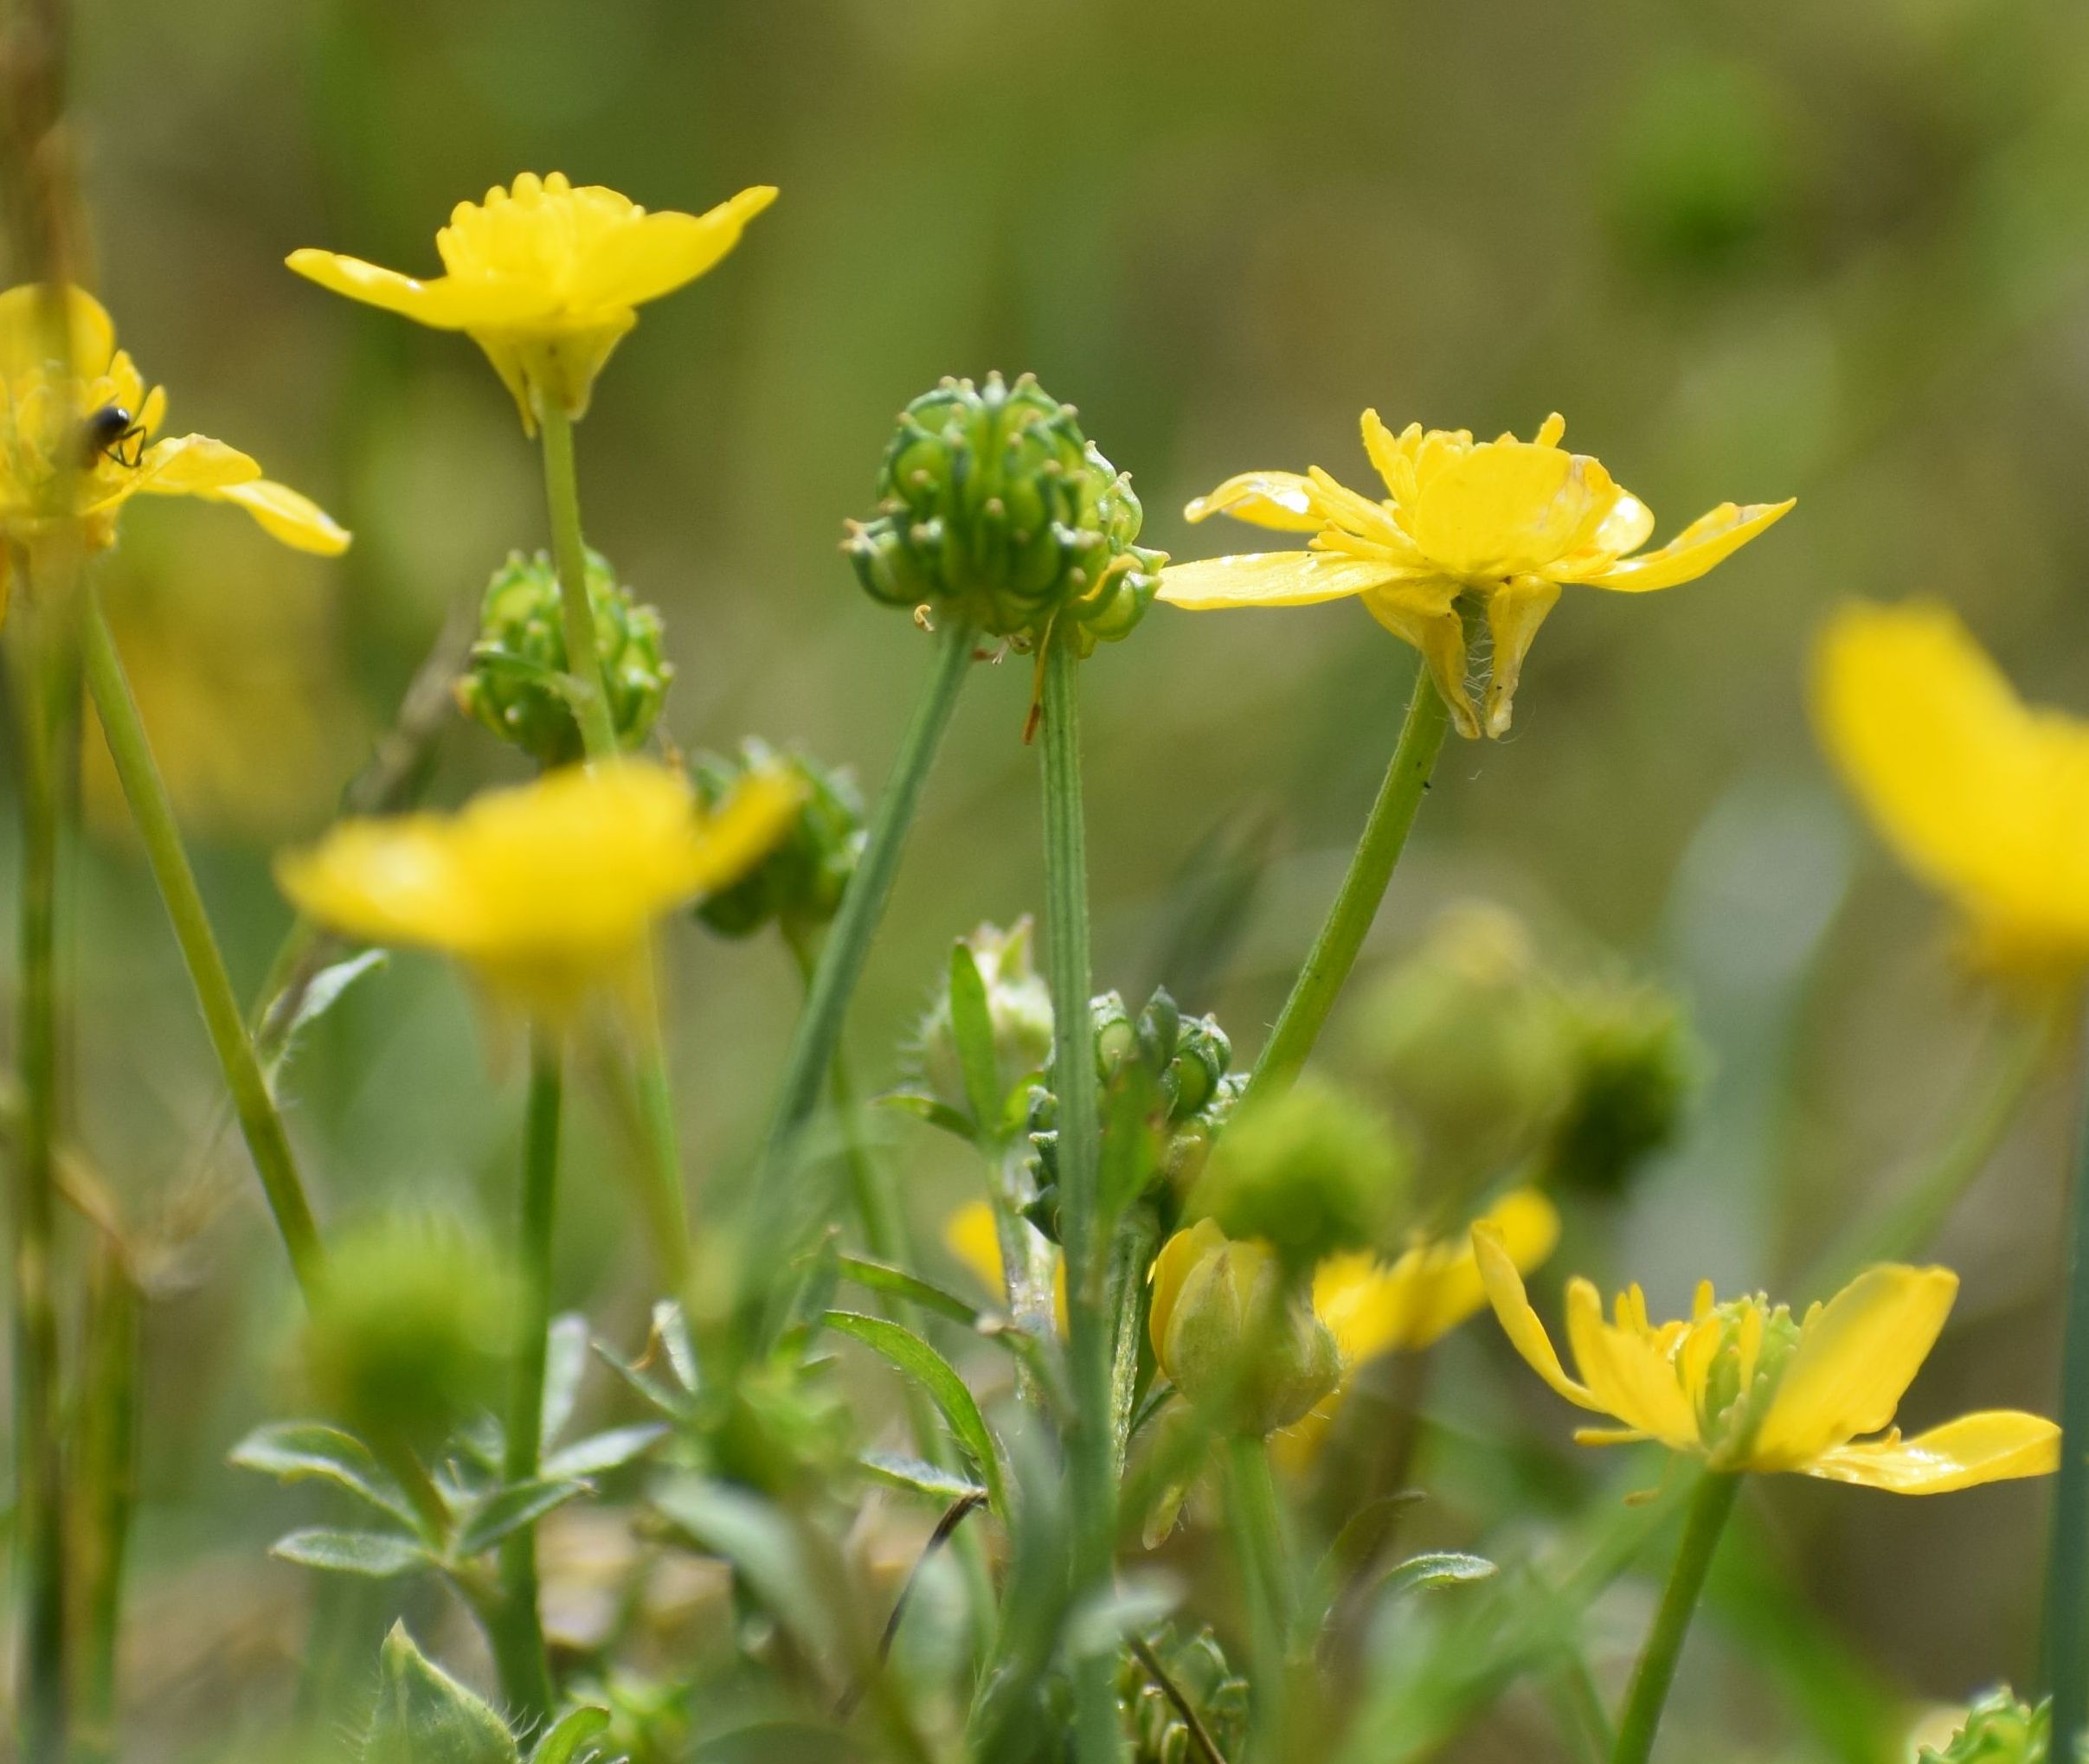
<point x="46" y="688"/>
<point x="2065" y="1659"/>
<point x="1335" y="952"/>
<point x="1710" y="1508"/>
<point x="1092" y="1337"/>
<point x="517" y="1636"/>
<point x="154" y="813"/>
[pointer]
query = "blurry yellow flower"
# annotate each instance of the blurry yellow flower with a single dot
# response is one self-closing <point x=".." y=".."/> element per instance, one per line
<point x="77" y="439"/>
<point x="970" y="1234"/>
<point x="1505" y="522"/>
<point x="1983" y="798"/>
<point x="1747" y="1388"/>
<point x="546" y="278"/>
<point x="546" y="891"/>
<point x="1375" y="1307"/>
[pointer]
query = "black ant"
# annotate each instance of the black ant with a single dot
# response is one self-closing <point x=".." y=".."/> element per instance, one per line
<point x="106" y="431"/>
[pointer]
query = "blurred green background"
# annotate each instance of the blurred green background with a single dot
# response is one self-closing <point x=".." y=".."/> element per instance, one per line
<point x="1749" y="251"/>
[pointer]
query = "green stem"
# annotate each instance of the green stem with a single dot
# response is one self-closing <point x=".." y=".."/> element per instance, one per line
<point x="46" y="687"/>
<point x="2066" y="1655"/>
<point x="1263" y="1547"/>
<point x="1098" y="1735"/>
<point x="771" y="1233"/>
<point x="1709" y="1508"/>
<point x="1335" y="952"/>
<point x="588" y="692"/>
<point x="518" y="1642"/>
<point x="154" y="815"/>
<point x="107" y="1478"/>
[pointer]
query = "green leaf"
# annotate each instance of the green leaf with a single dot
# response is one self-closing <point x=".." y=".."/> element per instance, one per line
<point x="671" y="1330"/>
<point x="379" y="1555"/>
<point x="917" y="1475"/>
<point x="972" y="1030"/>
<point x="907" y="1351"/>
<point x="1364" y="1534"/>
<point x="933" y="1110"/>
<point x="325" y="991"/>
<point x="897" y="1283"/>
<point x="565" y="1362"/>
<point x="565" y="1739"/>
<point x="601" y="1452"/>
<point x="518" y="1505"/>
<point x="424" y="1716"/>
<point x="1437" y="1569"/>
<point x="765" y="1551"/>
<point x="308" y="1451"/>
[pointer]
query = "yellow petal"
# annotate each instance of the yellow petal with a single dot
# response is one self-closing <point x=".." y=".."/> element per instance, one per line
<point x="443" y="303"/>
<point x="26" y="335"/>
<point x="1628" y="526"/>
<point x="1283" y="500"/>
<point x="1271" y="579"/>
<point x="1706" y="542"/>
<point x="1855" y="1359"/>
<point x="1171" y="1267"/>
<point x="1996" y="1446"/>
<point x="660" y="253"/>
<point x="1507" y="508"/>
<point x="297" y="521"/>
<point x="970" y="1234"/>
<point x="191" y="466"/>
<point x="1976" y="794"/>
<point x="1625" y="1373"/>
<point x="1514" y="612"/>
<point x="1297" y="1448"/>
<point x="1512" y="1307"/>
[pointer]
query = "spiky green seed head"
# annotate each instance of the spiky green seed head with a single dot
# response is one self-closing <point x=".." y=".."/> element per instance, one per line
<point x="512" y="683"/>
<point x="799" y="885"/>
<point x="994" y="508"/>
<point x="1634" y="1066"/>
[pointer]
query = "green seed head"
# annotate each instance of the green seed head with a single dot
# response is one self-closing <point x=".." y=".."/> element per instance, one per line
<point x="994" y="507"/>
<point x="512" y="683"/>
<point x="1634" y="1067"/>
<point x="1196" y="1665"/>
<point x="799" y="885"/>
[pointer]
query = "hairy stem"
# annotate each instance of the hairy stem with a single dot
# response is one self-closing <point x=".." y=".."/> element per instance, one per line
<point x="154" y="813"/>
<point x="1356" y="904"/>
<point x="1092" y="1344"/>
<point x="2065" y="1657"/>
<point x="1710" y="1507"/>
<point x="518" y="1642"/>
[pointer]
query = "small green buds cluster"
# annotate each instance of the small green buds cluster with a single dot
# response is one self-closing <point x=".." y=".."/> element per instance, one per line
<point x="1998" y="1730"/>
<point x="1196" y="1667"/>
<point x="1237" y="1332"/>
<point x="1176" y="1071"/>
<point x="409" y="1329"/>
<point x="995" y="508"/>
<point x="514" y="683"/>
<point x="1312" y="1172"/>
<point x="993" y="1037"/>
<point x="799" y="886"/>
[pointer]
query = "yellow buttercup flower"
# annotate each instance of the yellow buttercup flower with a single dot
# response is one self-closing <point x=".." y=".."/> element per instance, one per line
<point x="1496" y="527"/>
<point x="545" y="891"/>
<point x="546" y="278"/>
<point x="1983" y="797"/>
<point x="1746" y="1387"/>
<point x="970" y="1234"/>
<point x="80" y="438"/>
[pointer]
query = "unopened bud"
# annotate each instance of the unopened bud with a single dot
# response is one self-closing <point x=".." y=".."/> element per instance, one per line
<point x="1997" y="1729"/>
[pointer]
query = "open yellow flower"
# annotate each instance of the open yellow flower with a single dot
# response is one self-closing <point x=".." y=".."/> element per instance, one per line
<point x="1498" y="527"/>
<point x="79" y="438"/>
<point x="1746" y="1387"/>
<point x="546" y="891"/>
<point x="1983" y="798"/>
<point x="546" y="278"/>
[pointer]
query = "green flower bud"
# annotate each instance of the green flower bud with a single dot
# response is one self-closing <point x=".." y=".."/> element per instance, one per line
<point x="513" y="684"/>
<point x="424" y="1716"/>
<point x="799" y="885"/>
<point x="1635" y="1066"/>
<point x="994" y="507"/>
<point x="1185" y="1060"/>
<point x="1312" y="1172"/>
<point x="1471" y="1045"/>
<point x="409" y="1328"/>
<point x="1197" y="1667"/>
<point x="1019" y="1014"/>
<point x="1236" y="1334"/>
<point x="1998" y="1730"/>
